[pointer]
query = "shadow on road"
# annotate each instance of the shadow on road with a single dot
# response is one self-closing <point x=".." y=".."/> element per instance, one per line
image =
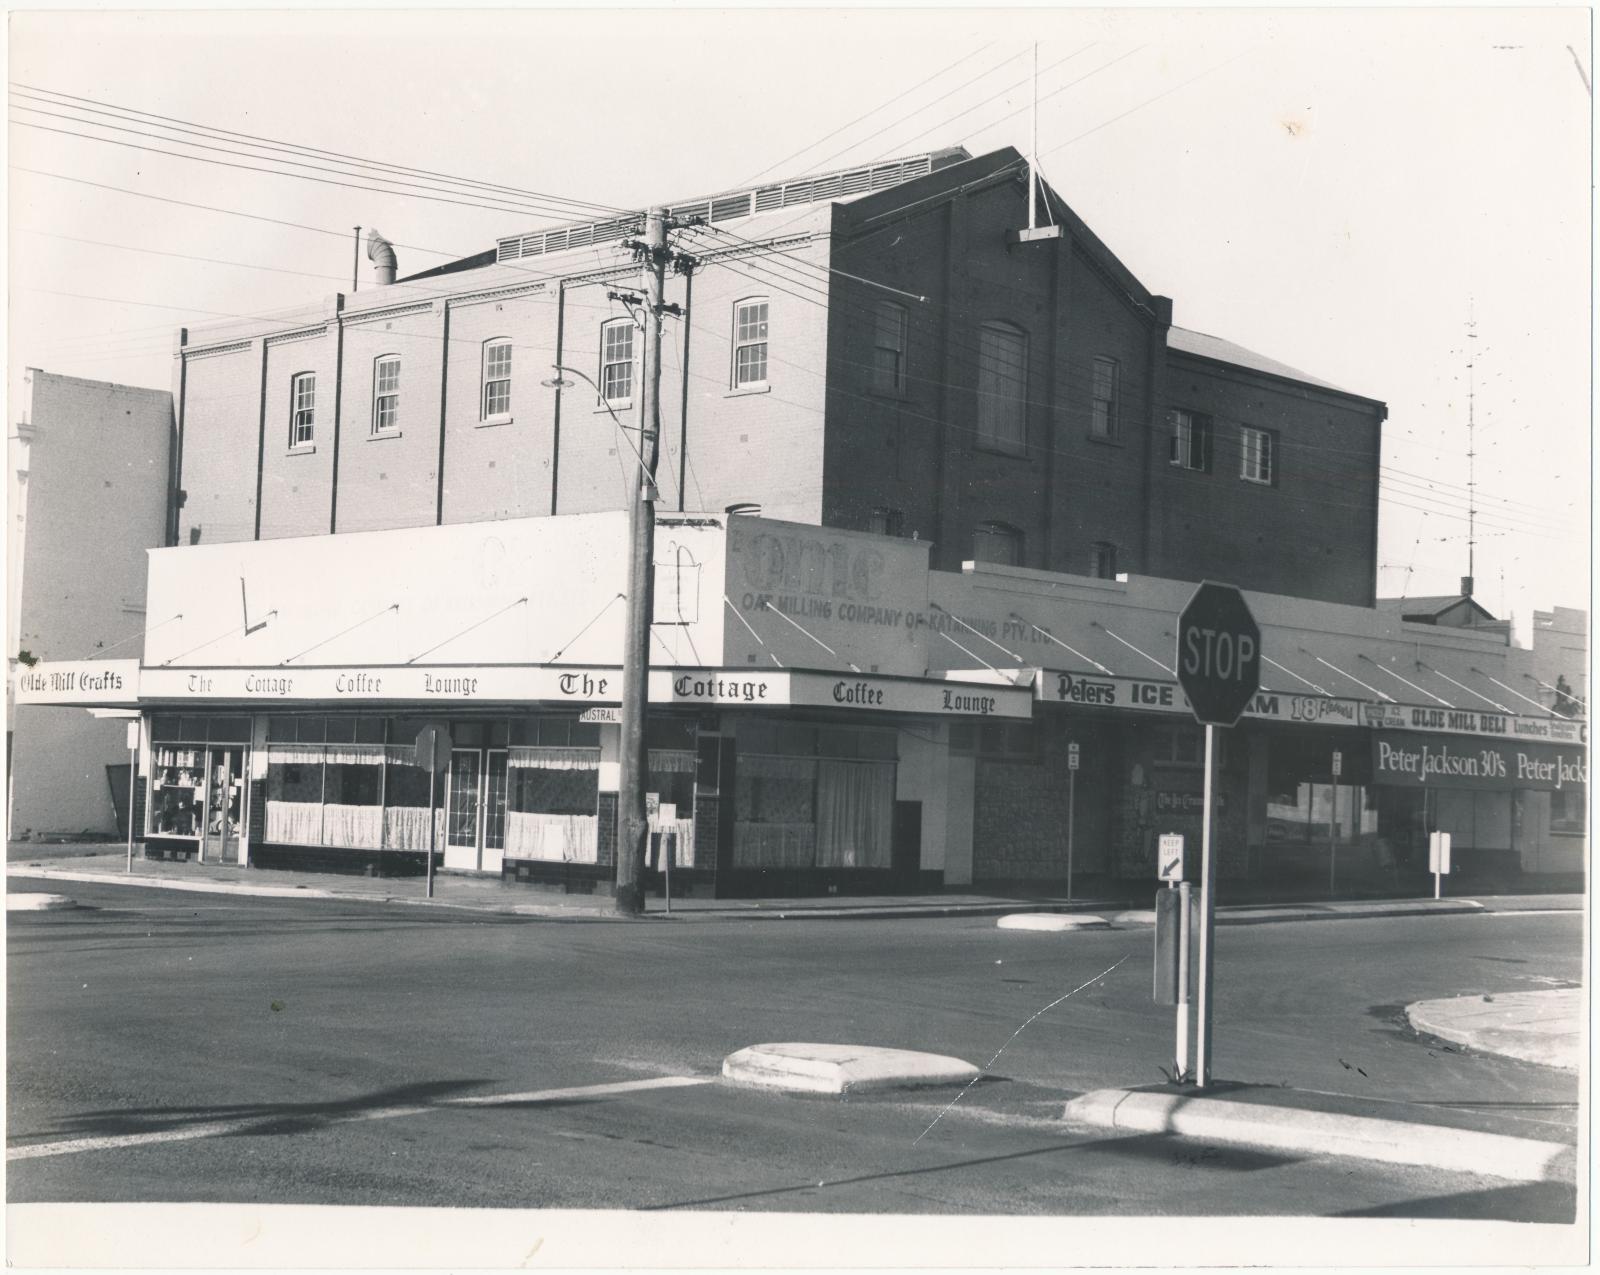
<point x="1520" y="1202"/>
<point x="1152" y="1146"/>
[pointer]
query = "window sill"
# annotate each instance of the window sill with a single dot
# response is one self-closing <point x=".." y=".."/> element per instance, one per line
<point x="621" y="405"/>
<point x="1105" y="440"/>
<point x="504" y="418"/>
<point x="305" y="449"/>
<point x="990" y="449"/>
<point x="1257" y="482"/>
<point x="1187" y="469"/>
<point x="739" y="391"/>
<point x="385" y="433"/>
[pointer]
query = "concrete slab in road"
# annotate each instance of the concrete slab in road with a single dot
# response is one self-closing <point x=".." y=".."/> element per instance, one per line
<point x="1052" y="922"/>
<point x="822" y="1068"/>
<point x="28" y="902"/>
<point x="1541" y="1027"/>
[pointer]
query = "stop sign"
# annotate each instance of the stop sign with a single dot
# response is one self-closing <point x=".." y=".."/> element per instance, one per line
<point x="1219" y="654"/>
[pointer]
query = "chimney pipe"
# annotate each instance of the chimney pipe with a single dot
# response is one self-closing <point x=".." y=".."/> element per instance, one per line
<point x="381" y="253"/>
<point x="1466" y="586"/>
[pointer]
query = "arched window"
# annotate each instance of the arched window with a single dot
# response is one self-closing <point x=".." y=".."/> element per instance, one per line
<point x="997" y="542"/>
<point x="386" y="394"/>
<point x="1002" y="387"/>
<point x="750" y="342"/>
<point x="889" y="347"/>
<point x="616" y="361"/>
<point x="496" y="377"/>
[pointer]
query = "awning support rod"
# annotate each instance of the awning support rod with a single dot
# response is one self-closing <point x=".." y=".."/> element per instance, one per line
<point x="1351" y="676"/>
<point x="615" y="598"/>
<point x="936" y="607"/>
<point x="1169" y="672"/>
<point x="1543" y="708"/>
<point x="809" y="634"/>
<point x="1053" y="638"/>
<point x="393" y="606"/>
<point x="1269" y="660"/>
<point x="228" y="632"/>
<point x="1420" y="690"/>
<point x="1499" y="707"/>
<point x="971" y="654"/>
<point x="99" y="651"/>
<point x="751" y="631"/>
<point x="467" y="630"/>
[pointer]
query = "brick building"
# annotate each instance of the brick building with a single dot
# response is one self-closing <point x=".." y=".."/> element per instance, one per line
<point x="988" y="469"/>
<point x="1018" y="402"/>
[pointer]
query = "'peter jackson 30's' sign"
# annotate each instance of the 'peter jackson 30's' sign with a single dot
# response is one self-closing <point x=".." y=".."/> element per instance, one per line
<point x="1403" y="758"/>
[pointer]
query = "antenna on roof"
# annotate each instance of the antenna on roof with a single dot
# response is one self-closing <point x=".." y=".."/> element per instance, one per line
<point x="1034" y="230"/>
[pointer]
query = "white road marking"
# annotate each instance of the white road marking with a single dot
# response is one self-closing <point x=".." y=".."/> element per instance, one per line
<point x="222" y="1128"/>
<point x="1537" y="912"/>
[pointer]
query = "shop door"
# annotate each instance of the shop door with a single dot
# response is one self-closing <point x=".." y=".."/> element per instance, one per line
<point x="463" y="804"/>
<point x="224" y="817"/>
<point x="494" y="811"/>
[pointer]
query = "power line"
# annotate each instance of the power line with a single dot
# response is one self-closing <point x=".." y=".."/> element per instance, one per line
<point x="171" y="122"/>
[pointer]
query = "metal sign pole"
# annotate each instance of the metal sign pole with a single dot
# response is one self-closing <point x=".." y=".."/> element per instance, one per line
<point x="1208" y="880"/>
<point x="1181" y="1054"/>
<point x="1333" y="838"/>
<point x="1072" y="810"/>
<point x="133" y="782"/>
<point x="669" y="847"/>
<point x="433" y="820"/>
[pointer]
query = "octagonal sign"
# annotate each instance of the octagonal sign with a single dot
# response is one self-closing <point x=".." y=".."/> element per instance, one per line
<point x="1219" y="654"/>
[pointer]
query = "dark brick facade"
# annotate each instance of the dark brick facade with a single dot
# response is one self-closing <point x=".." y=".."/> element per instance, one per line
<point x="606" y="829"/>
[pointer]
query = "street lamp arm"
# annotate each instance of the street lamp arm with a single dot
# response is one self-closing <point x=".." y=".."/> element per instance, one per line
<point x="556" y="382"/>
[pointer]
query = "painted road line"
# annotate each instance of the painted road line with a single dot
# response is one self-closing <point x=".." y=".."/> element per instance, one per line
<point x="223" y="1128"/>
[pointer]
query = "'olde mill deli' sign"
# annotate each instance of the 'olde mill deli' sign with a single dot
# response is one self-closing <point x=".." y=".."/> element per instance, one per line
<point x="1404" y="758"/>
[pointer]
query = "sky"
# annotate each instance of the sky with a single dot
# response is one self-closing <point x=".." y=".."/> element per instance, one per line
<point x="1352" y="192"/>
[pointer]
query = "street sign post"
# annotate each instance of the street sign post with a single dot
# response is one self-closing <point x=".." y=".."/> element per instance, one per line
<point x="1219" y="667"/>
<point x="1072" y="806"/>
<point x="1333" y="819"/>
<point x="1169" y="856"/>
<point x="133" y="781"/>
<point x="433" y="755"/>
<point x="1438" y="857"/>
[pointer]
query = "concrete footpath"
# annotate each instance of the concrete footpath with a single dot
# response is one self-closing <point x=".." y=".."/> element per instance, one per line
<point x="106" y="864"/>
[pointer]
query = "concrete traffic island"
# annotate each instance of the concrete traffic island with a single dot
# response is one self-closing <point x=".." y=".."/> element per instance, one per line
<point x="1540" y="1027"/>
<point x="800" y="1067"/>
<point x="1052" y="922"/>
<point x="39" y="902"/>
<point x="1299" y="1122"/>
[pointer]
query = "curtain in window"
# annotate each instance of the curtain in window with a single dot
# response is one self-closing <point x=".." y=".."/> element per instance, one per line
<point x="855" y="813"/>
<point x="561" y="838"/>
<point x="775" y="812"/>
<point x="406" y="827"/>
<point x="295" y="822"/>
<point x="529" y="758"/>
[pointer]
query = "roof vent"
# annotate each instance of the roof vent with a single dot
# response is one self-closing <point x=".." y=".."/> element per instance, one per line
<point x="381" y="253"/>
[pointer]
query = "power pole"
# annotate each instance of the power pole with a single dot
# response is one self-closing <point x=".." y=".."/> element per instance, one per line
<point x="633" y="826"/>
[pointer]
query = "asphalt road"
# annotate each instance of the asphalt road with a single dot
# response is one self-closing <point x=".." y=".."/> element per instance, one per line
<point x="181" y="1047"/>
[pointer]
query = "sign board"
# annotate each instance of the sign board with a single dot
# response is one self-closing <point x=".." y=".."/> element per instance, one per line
<point x="1169" y="856"/>
<point x="433" y="749"/>
<point x="1338" y="763"/>
<point x="133" y="736"/>
<point x="1219" y="654"/>
<point x="1439" y="852"/>
<point x="99" y="682"/>
<point x="603" y="713"/>
<point x="652" y="806"/>
<point x="1408" y="758"/>
<point x="1073" y="756"/>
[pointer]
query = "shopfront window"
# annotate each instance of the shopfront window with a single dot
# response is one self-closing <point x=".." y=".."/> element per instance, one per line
<point x="551" y="803"/>
<point x="177" y="790"/>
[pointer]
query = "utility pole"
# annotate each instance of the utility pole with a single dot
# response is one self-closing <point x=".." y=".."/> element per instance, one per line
<point x="633" y="826"/>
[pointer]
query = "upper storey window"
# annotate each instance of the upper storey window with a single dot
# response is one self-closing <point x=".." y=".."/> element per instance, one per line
<point x="1191" y="441"/>
<point x="1258" y="455"/>
<point x="1002" y="387"/>
<point x="889" y="347"/>
<point x="303" y="409"/>
<point x="386" y="394"/>
<point x="1104" y="409"/>
<point x="750" y="342"/>
<point x="496" y="378"/>
<point x="616" y="361"/>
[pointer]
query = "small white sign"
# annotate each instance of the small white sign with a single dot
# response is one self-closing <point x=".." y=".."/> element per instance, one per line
<point x="133" y="736"/>
<point x="1169" y="856"/>
<point x="604" y="713"/>
<point x="1338" y="763"/>
<point x="1439" y="852"/>
<point x="1073" y="756"/>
